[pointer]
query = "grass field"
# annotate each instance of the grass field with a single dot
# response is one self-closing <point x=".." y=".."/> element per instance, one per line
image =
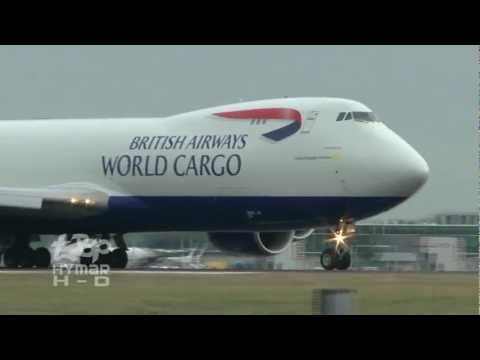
<point x="253" y="293"/>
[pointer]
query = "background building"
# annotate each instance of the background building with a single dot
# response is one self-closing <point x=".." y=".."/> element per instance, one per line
<point x="457" y="218"/>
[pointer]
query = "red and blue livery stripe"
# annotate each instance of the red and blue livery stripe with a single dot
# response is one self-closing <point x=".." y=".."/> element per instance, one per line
<point x="269" y="114"/>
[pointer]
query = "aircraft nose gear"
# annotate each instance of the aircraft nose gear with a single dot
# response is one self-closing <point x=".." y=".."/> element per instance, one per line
<point x="328" y="259"/>
<point x="338" y="257"/>
<point x="332" y="259"/>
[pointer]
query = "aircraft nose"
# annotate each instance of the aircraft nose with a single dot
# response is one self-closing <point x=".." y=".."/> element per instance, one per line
<point x="412" y="170"/>
<point x="399" y="169"/>
<point x="416" y="172"/>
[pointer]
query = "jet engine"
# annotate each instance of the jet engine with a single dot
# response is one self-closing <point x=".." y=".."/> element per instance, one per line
<point x="252" y="243"/>
<point x="302" y="234"/>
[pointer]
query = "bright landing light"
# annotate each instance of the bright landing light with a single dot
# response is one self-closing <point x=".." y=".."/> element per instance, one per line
<point x="339" y="238"/>
<point x="87" y="201"/>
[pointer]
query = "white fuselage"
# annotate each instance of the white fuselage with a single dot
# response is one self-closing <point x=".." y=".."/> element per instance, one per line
<point x="175" y="173"/>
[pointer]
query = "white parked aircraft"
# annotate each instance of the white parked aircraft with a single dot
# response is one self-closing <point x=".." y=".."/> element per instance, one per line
<point x="254" y="175"/>
<point x="190" y="261"/>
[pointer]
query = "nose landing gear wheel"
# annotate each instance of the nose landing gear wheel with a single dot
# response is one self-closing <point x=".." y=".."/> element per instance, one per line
<point x="343" y="261"/>
<point x="328" y="259"/>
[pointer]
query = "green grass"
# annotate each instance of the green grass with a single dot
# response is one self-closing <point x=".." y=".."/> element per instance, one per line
<point x="258" y="293"/>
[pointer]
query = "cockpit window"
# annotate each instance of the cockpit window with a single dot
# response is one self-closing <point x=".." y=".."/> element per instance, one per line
<point x="357" y="116"/>
<point x="364" y="116"/>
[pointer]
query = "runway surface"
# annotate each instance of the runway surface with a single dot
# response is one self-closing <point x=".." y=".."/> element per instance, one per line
<point x="225" y="272"/>
<point x="152" y="272"/>
<point x="217" y="292"/>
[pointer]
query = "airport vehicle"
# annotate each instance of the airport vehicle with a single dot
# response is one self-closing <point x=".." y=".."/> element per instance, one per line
<point x="255" y="176"/>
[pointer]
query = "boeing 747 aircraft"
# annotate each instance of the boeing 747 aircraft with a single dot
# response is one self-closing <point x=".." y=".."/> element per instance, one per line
<point x="255" y="176"/>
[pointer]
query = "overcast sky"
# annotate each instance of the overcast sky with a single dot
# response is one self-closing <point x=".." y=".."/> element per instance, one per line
<point x="427" y="94"/>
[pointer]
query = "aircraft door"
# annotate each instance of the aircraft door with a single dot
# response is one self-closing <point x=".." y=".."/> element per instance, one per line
<point x="309" y="122"/>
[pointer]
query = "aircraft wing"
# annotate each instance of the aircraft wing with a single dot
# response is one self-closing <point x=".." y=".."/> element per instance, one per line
<point x="66" y="200"/>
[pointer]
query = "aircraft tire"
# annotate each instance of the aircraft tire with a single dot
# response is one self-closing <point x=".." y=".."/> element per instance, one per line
<point x="104" y="259"/>
<point x="118" y="259"/>
<point x="27" y="258"/>
<point x="328" y="259"/>
<point x="86" y="257"/>
<point x="42" y="258"/>
<point x="85" y="260"/>
<point x="343" y="261"/>
<point x="11" y="258"/>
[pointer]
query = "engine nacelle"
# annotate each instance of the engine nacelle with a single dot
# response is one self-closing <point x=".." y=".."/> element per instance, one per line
<point x="302" y="234"/>
<point x="252" y="243"/>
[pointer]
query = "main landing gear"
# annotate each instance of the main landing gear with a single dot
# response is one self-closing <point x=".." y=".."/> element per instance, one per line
<point x="116" y="259"/>
<point x="20" y="254"/>
<point x="337" y="255"/>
